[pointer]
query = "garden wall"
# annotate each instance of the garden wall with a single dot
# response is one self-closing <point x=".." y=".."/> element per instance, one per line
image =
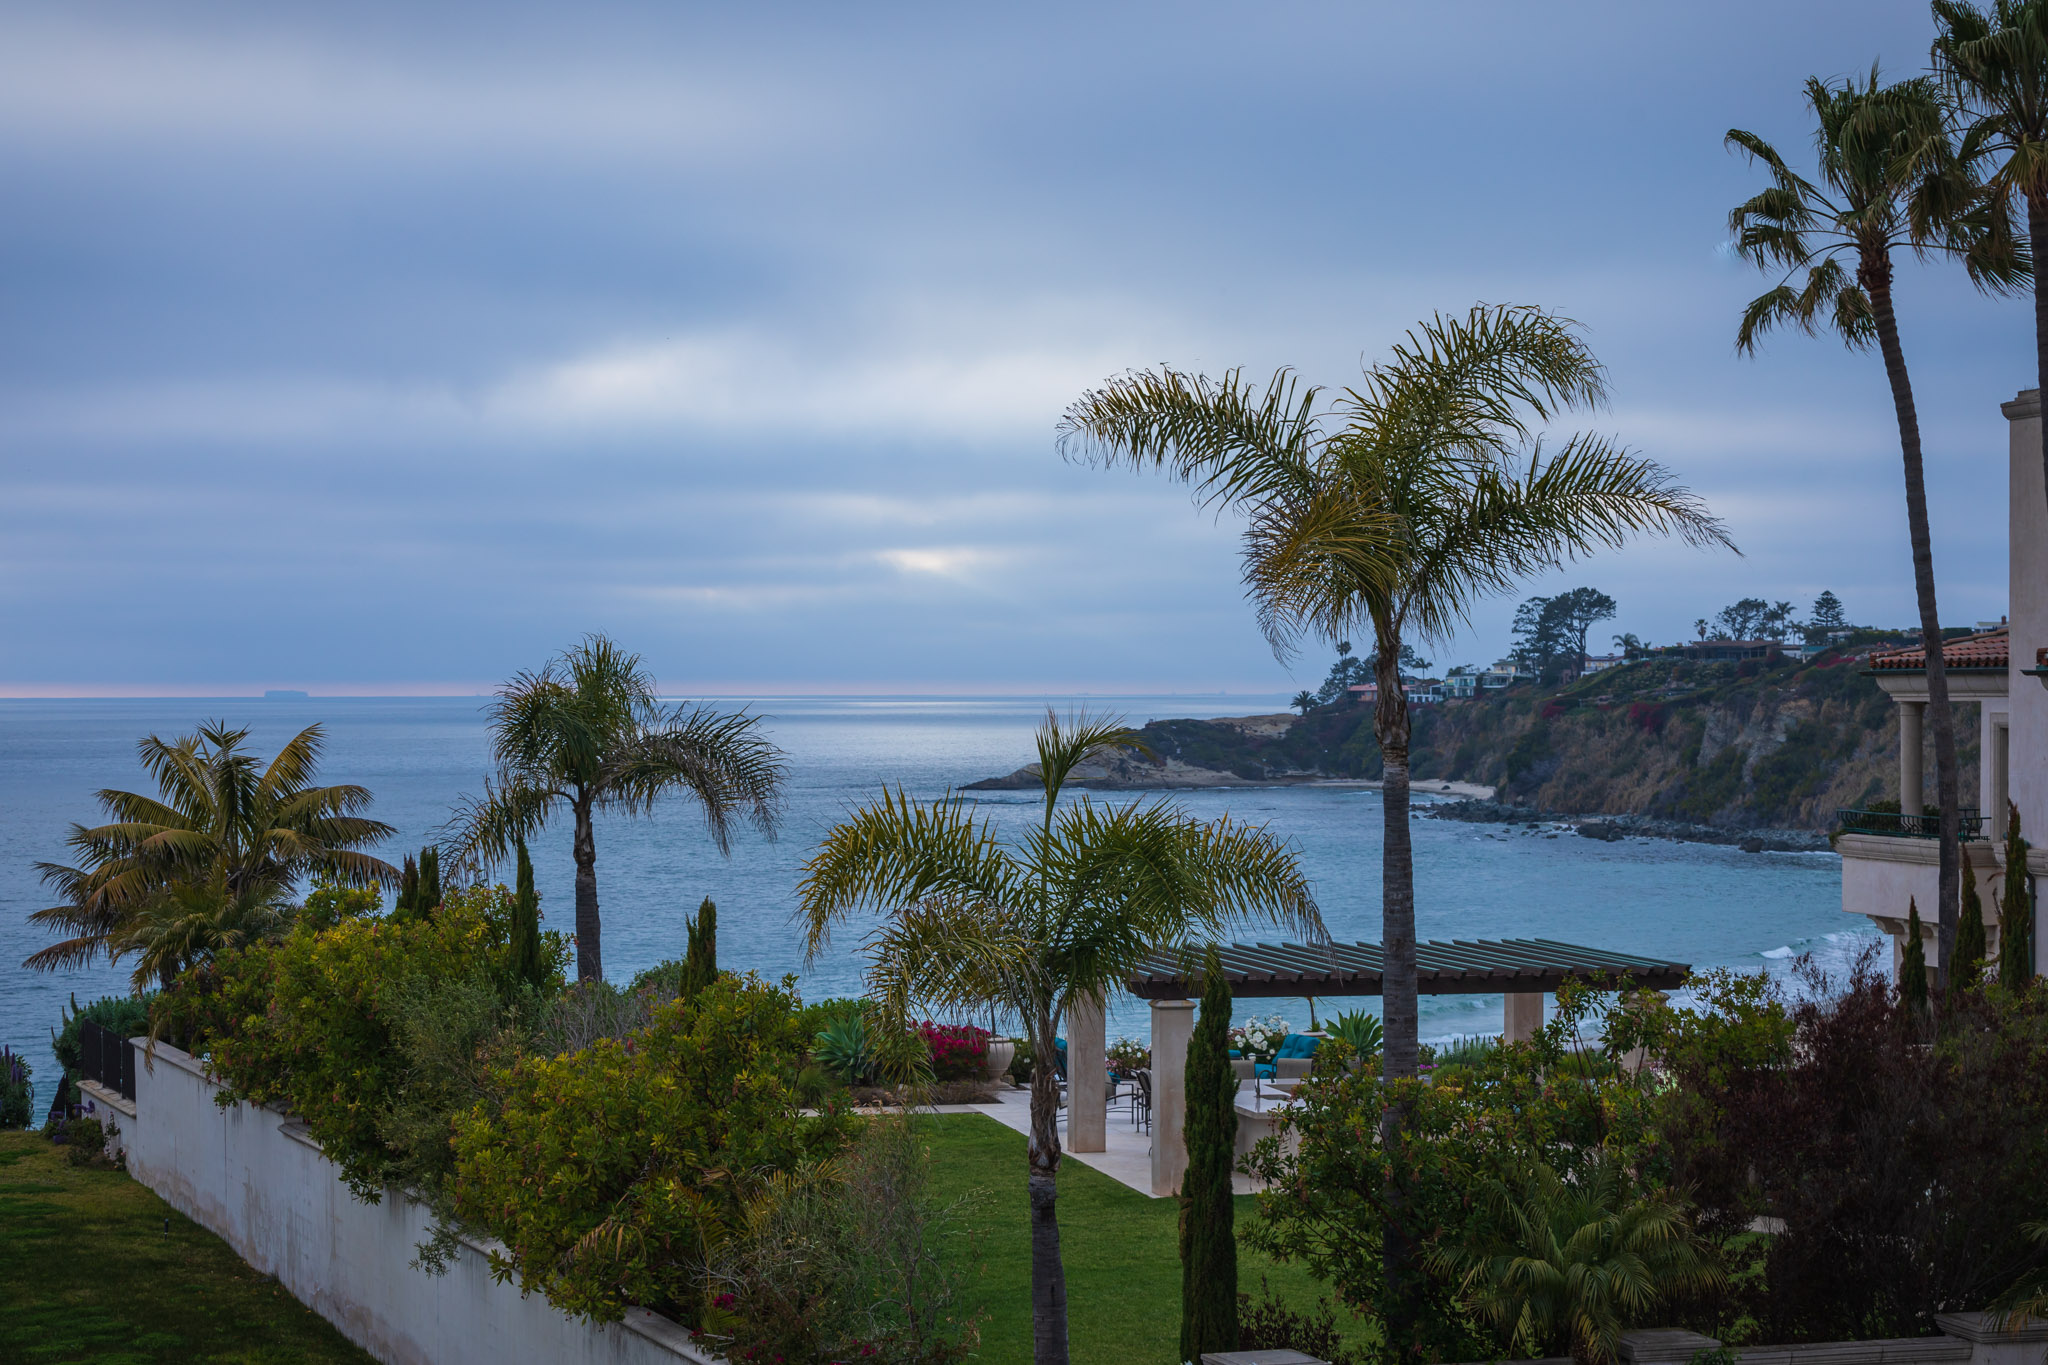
<point x="254" y="1177"/>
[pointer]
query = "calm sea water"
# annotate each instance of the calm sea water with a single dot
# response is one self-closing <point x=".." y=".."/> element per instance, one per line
<point x="1709" y="906"/>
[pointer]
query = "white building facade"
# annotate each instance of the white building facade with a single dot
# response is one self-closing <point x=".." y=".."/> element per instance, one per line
<point x="1997" y="681"/>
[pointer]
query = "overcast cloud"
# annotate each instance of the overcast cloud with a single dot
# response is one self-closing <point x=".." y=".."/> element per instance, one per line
<point x="390" y="348"/>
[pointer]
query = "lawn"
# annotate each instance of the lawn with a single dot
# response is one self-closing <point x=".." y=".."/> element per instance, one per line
<point x="88" y="1272"/>
<point x="1122" y="1252"/>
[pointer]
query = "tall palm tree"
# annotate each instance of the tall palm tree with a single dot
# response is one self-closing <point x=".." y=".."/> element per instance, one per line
<point x="1994" y="63"/>
<point x="970" y="923"/>
<point x="1889" y="179"/>
<point x="224" y="838"/>
<point x="1430" y="493"/>
<point x="587" y="733"/>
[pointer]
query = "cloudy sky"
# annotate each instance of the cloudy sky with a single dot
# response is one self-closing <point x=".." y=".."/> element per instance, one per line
<point x="388" y="348"/>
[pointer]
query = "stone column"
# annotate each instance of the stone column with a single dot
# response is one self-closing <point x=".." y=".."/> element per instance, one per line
<point x="1910" y="713"/>
<point x="1087" y="1077"/>
<point x="1522" y="1016"/>
<point x="2027" y="535"/>
<point x="1173" y="1025"/>
<point x="1997" y="774"/>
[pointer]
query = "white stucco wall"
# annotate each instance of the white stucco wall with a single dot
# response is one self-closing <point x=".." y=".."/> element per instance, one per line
<point x="258" y="1181"/>
<point x="2028" y="527"/>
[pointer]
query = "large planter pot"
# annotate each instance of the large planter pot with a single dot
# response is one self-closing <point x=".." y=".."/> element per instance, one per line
<point x="1001" y="1052"/>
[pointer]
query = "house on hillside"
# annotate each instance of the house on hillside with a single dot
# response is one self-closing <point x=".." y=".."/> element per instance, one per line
<point x="1597" y="662"/>
<point x="1998" y="681"/>
<point x="1504" y="673"/>
<point x="1732" y="651"/>
<point x="1461" y="686"/>
<point x="1420" y="691"/>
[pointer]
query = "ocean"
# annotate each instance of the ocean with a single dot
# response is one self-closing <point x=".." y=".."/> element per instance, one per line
<point x="1708" y="905"/>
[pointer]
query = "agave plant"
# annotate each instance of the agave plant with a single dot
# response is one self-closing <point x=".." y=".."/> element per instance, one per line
<point x="843" y="1049"/>
<point x="1363" y="1031"/>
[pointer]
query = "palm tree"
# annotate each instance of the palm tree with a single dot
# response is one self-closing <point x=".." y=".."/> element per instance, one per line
<point x="587" y="733"/>
<point x="1428" y="496"/>
<point x="1994" y="64"/>
<point x="224" y="838"/>
<point x="1573" y="1264"/>
<point x="970" y="923"/>
<point x="1889" y="178"/>
<point x="1304" y="701"/>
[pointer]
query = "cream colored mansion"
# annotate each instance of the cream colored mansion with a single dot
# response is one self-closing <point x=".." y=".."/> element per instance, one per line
<point x="2001" y="675"/>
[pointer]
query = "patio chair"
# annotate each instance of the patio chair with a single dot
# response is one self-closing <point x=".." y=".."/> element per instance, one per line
<point x="1141" y="1102"/>
<point x="1291" y="1068"/>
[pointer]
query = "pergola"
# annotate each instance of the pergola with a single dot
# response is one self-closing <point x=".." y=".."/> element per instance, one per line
<point x="1524" y="970"/>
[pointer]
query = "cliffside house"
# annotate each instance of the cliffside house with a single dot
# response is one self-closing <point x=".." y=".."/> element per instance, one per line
<point x="1461" y="686"/>
<point x="1504" y="673"/>
<point x="1889" y="857"/>
<point x="1421" y="691"/>
<point x="1596" y="663"/>
<point x="1731" y="651"/>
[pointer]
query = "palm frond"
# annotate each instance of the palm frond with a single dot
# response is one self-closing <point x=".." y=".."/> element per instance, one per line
<point x="1227" y="440"/>
<point x="896" y="853"/>
<point x="1065" y="745"/>
<point x="724" y="760"/>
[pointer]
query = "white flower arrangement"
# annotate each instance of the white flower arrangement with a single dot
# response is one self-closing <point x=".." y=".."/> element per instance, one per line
<point x="1260" y="1038"/>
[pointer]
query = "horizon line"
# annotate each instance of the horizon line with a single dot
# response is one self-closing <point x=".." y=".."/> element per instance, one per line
<point x="394" y="691"/>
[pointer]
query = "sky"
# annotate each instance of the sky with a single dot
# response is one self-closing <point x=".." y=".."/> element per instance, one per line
<point x="387" y="348"/>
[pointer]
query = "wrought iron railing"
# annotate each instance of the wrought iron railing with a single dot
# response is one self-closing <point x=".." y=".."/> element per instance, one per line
<point x="105" y="1056"/>
<point x="1970" y="821"/>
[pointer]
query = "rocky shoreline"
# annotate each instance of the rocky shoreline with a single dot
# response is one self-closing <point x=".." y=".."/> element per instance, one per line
<point x="1613" y="828"/>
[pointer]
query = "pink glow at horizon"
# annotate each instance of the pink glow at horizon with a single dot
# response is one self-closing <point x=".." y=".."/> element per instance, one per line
<point x="142" y="691"/>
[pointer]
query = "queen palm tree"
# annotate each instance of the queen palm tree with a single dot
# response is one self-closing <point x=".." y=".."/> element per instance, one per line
<point x="1994" y="64"/>
<point x="587" y="733"/>
<point x="220" y="827"/>
<point x="1429" y="494"/>
<point x="1432" y="492"/>
<point x="973" y="924"/>
<point x="193" y="923"/>
<point x="1889" y="179"/>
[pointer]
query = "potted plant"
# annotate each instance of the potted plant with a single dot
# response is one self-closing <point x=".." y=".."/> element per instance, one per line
<point x="1001" y="1052"/>
<point x="1257" y="1040"/>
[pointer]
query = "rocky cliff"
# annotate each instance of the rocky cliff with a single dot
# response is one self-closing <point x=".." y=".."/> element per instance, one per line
<point x="1726" y="745"/>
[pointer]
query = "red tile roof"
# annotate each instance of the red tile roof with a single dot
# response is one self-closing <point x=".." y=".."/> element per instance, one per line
<point x="1989" y="650"/>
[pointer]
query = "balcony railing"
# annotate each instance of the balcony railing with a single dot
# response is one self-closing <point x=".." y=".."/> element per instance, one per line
<point x="1970" y="822"/>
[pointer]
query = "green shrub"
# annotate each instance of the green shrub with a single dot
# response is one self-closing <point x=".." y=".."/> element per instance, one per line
<point x="852" y="1259"/>
<point x="1270" y="1325"/>
<point x="609" y="1172"/>
<point x="314" y="1023"/>
<point x="85" y="1141"/>
<point x="1363" y="1031"/>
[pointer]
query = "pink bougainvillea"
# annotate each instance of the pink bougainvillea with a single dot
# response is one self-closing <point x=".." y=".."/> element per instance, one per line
<point x="959" y="1051"/>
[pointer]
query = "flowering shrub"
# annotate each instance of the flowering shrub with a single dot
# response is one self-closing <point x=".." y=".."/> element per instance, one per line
<point x="611" y="1172"/>
<point x="1258" y="1038"/>
<point x="959" y="1051"/>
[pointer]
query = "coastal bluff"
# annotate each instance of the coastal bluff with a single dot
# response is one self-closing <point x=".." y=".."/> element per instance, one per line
<point x="1728" y="746"/>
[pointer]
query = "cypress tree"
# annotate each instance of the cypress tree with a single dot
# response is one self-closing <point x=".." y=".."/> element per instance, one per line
<point x="700" y="961"/>
<point x="1969" y="965"/>
<point x="408" y="890"/>
<point x="2015" y="910"/>
<point x="1208" y="1232"/>
<point x="526" y="960"/>
<point x="1913" y="971"/>
<point x="430" y="880"/>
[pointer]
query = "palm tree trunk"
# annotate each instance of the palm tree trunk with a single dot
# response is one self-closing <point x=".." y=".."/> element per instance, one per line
<point x="1402" y="1041"/>
<point x="1397" y="864"/>
<point x="589" y="954"/>
<point x="2037" y="239"/>
<point x="1875" y="276"/>
<point x="1048" y="1272"/>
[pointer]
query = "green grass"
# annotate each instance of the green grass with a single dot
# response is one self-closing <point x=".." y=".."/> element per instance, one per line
<point x="1121" y="1248"/>
<point x="87" y="1273"/>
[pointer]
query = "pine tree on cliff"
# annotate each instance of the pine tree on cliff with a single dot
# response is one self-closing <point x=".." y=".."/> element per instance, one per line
<point x="526" y="954"/>
<point x="1208" y="1234"/>
<point x="1969" y="967"/>
<point x="700" y="961"/>
<point x="2015" y="910"/>
<point x="1913" y="971"/>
